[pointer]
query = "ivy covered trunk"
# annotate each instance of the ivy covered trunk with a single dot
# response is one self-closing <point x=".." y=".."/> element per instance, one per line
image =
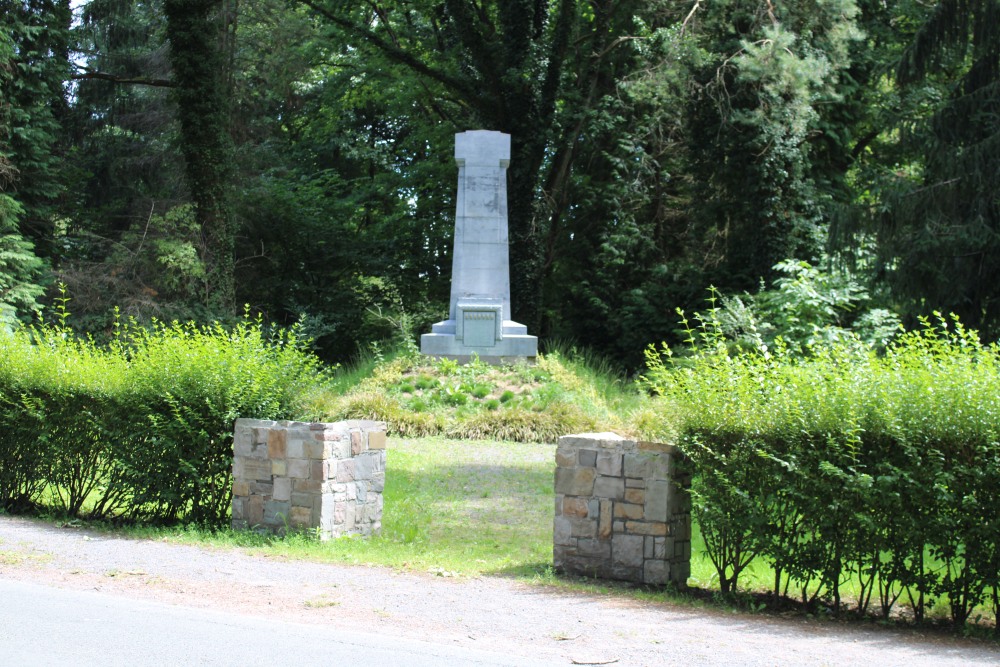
<point x="195" y="29"/>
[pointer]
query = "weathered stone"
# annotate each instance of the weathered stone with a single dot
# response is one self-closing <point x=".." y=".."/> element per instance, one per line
<point x="635" y="496"/>
<point x="609" y="487"/>
<point x="311" y="449"/>
<point x="276" y="512"/>
<point x="609" y="463"/>
<point x="648" y="465"/>
<point x="583" y="527"/>
<point x="628" y="511"/>
<point x="376" y="440"/>
<point x="575" y="507"/>
<point x="276" y="443"/>
<point x="575" y="482"/>
<point x="646" y="528"/>
<point x="300" y="517"/>
<point x="627" y="550"/>
<point x="357" y="443"/>
<point x="656" y="500"/>
<point x="345" y="470"/>
<point x="299" y="468"/>
<point x="282" y="489"/>
<point x="587" y="458"/>
<point x="300" y="499"/>
<point x="593" y="548"/>
<point x="275" y="493"/>
<point x="565" y="457"/>
<point x="655" y="572"/>
<point x="604" y="522"/>
<point x="635" y="483"/>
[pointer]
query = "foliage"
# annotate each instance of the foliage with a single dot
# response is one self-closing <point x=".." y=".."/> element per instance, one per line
<point x="141" y="428"/>
<point x="846" y="464"/>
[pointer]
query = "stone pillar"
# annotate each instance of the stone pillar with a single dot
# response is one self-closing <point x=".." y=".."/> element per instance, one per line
<point x="623" y="510"/>
<point x="479" y="315"/>
<point x="307" y="476"/>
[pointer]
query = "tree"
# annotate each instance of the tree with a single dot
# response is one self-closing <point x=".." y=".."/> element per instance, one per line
<point x="202" y="78"/>
<point x="939" y="229"/>
<point x="532" y="69"/>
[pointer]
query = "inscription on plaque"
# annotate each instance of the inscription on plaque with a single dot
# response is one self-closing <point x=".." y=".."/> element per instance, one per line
<point x="480" y="328"/>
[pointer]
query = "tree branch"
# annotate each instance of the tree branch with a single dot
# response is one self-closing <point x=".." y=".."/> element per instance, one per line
<point x="394" y="52"/>
<point x="88" y="73"/>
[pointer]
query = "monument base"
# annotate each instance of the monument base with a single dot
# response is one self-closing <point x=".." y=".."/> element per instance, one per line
<point x="512" y="345"/>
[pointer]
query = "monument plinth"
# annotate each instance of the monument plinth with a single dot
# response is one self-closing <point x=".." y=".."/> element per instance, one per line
<point x="479" y="315"/>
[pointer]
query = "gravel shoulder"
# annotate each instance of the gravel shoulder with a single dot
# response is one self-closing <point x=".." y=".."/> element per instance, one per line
<point x="482" y="613"/>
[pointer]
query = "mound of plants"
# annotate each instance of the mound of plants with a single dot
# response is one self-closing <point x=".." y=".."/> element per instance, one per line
<point x="520" y="402"/>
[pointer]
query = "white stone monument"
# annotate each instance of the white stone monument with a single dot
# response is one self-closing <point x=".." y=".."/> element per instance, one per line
<point x="479" y="316"/>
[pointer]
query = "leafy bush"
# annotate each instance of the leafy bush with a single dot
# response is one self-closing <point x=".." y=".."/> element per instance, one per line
<point x="846" y="464"/>
<point x="140" y="428"/>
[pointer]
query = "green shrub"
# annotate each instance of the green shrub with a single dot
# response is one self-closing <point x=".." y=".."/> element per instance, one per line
<point x="845" y="464"/>
<point x="140" y="428"/>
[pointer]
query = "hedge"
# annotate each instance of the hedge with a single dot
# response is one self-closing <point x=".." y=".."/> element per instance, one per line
<point x="140" y="428"/>
<point x="847" y="463"/>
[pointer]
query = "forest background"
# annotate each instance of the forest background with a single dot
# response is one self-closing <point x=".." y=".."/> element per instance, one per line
<point x="816" y="161"/>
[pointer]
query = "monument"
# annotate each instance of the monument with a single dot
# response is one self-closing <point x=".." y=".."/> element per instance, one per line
<point x="479" y="320"/>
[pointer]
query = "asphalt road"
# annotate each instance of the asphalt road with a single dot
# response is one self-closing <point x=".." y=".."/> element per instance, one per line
<point x="41" y="626"/>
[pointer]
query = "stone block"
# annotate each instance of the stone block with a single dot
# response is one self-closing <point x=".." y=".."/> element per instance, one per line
<point x="300" y="517"/>
<point x="587" y="458"/>
<point x="626" y="550"/>
<point x="655" y="572"/>
<point x="583" y="527"/>
<point x="636" y="496"/>
<point x="628" y="511"/>
<point x="313" y="486"/>
<point x="575" y="481"/>
<point x="647" y="548"/>
<point x="609" y="487"/>
<point x="241" y="488"/>
<point x="357" y="442"/>
<point x="282" y="489"/>
<point x="565" y="457"/>
<point x="635" y="483"/>
<point x="376" y="440"/>
<point x="299" y="468"/>
<point x="261" y="488"/>
<point x="314" y="450"/>
<point x="255" y="510"/>
<point x="378" y="482"/>
<point x="279" y="468"/>
<point x="609" y="463"/>
<point x="575" y="507"/>
<point x="593" y="548"/>
<point x="640" y="464"/>
<point x="300" y="499"/>
<point x="604" y="520"/>
<point x="296" y="449"/>
<point x="646" y="528"/>
<point x="276" y="443"/>
<point x="276" y="512"/>
<point x="656" y="500"/>
<point x="660" y="548"/>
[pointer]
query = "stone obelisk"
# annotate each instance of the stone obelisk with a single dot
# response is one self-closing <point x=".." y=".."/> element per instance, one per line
<point x="479" y="314"/>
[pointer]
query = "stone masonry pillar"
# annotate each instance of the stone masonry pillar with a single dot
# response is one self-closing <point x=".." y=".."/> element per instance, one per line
<point x="623" y="510"/>
<point x="309" y="476"/>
